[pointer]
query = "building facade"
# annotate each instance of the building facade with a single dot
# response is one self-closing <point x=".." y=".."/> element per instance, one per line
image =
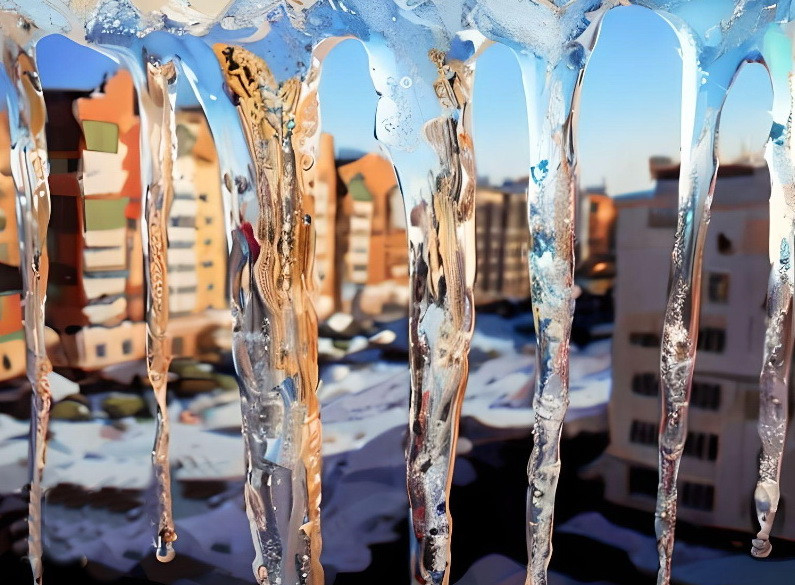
<point x="96" y="291"/>
<point x="502" y="240"/>
<point x="718" y="471"/>
<point x="372" y="239"/>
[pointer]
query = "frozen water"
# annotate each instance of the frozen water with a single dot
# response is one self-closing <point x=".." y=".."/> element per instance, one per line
<point x="253" y="66"/>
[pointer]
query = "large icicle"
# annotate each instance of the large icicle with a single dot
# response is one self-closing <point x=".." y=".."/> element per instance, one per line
<point x="29" y="168"/>
<point x="438" y="186"/>
<point x="774" y="378"/>
<point x="159" y="142"/>
<point x="550" y="90"/>
<point x="703" y="94"/>
<point x="275" y="336"/>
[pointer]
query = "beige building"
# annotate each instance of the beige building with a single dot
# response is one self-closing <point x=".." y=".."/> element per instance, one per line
<point x="322" y="207"/>
<point x="718" y="470"/>
<point x="502" y="240"/>
<point x="372" y="244"/>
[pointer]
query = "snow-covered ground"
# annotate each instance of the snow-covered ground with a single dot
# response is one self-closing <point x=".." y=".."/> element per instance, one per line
<point x="365" y="412"/>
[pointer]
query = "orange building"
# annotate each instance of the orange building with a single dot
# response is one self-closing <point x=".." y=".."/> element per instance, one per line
<point x="12" y="335"/>
<point x="373" y="214"/>
<point x="96" y="291"/>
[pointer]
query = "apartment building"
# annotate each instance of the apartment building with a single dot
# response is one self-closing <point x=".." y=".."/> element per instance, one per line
<point x="718" y="471"/>
<point x="502" y="241"/>
<point x="372" y="232"/>
<point x="96" y="299"/>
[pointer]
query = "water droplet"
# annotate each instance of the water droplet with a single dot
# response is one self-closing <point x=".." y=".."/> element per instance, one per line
<point x="405" y="82"/>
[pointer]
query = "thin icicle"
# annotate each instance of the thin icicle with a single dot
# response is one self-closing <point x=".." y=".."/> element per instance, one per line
<point x="774" y="378"/>
<point x="159" y="141"/>
<point x="703" y="92"/>
<point x="550" y="91"/>
<point x="441" y="310"/>
<point x="29" y="168"/>
<point x="275" y="336"/>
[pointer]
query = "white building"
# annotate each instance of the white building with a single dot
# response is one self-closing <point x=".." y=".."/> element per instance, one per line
<point x="718" y="471"/>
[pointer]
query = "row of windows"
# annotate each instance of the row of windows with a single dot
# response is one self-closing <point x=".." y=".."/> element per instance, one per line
<point x="702" y="446"/>
<point x="702" y="395"/>
<point x="697" y="496"/>
<point x="101" y="349"/>
<point x="711" y="339"/>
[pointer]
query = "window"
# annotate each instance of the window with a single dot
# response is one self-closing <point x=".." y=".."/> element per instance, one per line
<point x="63" y="165"/>
<point x="644" y="339"/>
<point x="3" y="220"/>
<point x="101" y="350"/>
<point x="705" y="395"/>
<point x="711" y="339"/>
<point x="645" y="384"/>
<point x="698" y="496"/>
<point x="101" y="136"/>
<point x="725" y="245"/>
<point x="6" y="362"/>
<point x="718" y="288"/>
<point x="643" y="481"/>
<point x="594" y="206"/>
<point x="662" y="217"/>
<point x="702" y="446"/>
<point x="643" y="433"/>
<point x="183" y="221"/>
<point x="126" y="347"/>
<point x="177" y="346"/>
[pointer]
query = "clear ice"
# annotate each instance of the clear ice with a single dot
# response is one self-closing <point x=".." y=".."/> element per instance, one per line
<point x="774" y="378"/>
<point x="158" y="100"/>
<point x="254" y="68"/>
<point x="29" y="168"/>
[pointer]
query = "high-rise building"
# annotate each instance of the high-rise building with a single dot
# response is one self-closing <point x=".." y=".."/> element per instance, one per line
<point x="93" y="141"/>
<point x="96" y="287"/>
<point x="502" y="239"/>
<point x="374" y="250"/>
<point x="718" y="471"/>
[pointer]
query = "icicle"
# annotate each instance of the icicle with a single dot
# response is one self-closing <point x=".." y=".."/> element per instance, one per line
<point x="550" y="90"/>
<point x="233" y="155"/>
<point x="275" y="336"/>
<point x="774" y="378"/>
<point x="703" y="93"/>
<point x="159" y="142"/>
<point x="30" y="167"/>
<point x="439" y="197"/>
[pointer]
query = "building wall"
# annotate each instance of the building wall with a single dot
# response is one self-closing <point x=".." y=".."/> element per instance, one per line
<point x="324" y="218"/>
<point x="373" y="232"/>
<point x="97" y="294"/>
<point x="718" y="471"/>
<point x="502" y="238"/>
<point x="197" y="240"/>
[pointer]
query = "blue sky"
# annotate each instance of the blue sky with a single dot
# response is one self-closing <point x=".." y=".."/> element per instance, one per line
<point x="629" y="104"/>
